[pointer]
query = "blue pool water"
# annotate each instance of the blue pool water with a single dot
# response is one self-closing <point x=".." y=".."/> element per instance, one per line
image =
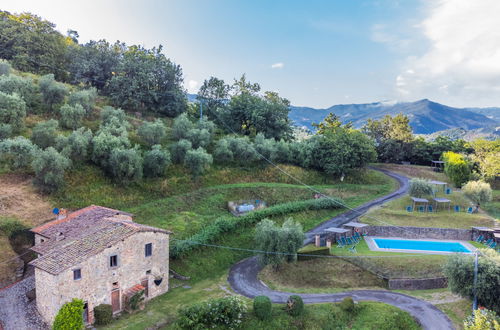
<point x="403" y="244"/>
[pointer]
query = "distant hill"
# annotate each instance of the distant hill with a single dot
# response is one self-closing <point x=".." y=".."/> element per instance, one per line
<point x="426" y="117"/>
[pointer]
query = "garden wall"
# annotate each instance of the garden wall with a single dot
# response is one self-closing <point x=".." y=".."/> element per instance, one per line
<point x="417" y="283"/>
<point x="420" y="232"/>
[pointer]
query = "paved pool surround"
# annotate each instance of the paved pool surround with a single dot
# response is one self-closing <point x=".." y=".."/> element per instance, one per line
<point x="372" y="245"/>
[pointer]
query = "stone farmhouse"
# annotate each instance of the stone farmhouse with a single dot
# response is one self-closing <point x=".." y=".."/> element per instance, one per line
<point x="98" y="255"/>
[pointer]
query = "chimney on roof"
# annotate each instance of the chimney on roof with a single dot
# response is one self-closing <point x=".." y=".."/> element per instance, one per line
<point x="63" y="213"/>
<point x="59" y="236"/>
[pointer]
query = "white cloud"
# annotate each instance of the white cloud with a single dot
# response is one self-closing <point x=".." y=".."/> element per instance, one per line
<point x="278" y="65"/>
<point x="461" y="66"/>
<point x="192" y="86"/>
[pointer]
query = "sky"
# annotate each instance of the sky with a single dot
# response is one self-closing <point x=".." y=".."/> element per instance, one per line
<point x="315" y="53"/>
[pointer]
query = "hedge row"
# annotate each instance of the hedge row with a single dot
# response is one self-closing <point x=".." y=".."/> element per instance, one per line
<point x="229" y="223"/>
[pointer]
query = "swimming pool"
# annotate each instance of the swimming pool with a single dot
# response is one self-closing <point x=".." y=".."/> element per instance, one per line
<point x="414" y="245"/>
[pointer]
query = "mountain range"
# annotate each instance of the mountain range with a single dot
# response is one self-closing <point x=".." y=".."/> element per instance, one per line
<point x="426" y="117"/>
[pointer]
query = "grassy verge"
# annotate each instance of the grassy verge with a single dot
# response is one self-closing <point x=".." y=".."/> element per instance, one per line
<point x="415" y="171"/>
<point x="493" y="207"/>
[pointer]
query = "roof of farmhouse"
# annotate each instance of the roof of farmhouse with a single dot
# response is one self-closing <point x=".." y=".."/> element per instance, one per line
<point x="82" y="234"/>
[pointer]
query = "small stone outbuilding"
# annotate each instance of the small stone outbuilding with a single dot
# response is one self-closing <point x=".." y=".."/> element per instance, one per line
<point x="98" y="255"/>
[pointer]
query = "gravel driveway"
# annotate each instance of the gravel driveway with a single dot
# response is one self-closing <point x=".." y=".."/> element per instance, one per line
<point x="16" y="311"/>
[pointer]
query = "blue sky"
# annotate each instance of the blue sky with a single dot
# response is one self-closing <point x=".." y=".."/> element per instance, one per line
<point x="315" y="53"/>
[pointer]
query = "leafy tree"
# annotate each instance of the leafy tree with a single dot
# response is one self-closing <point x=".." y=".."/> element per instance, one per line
<point x="242" y="86"/>
<point x="242" y="149"/>
<point x="197" y="161"/>
<point x="179" y="150"/>
<point x="70" y="316"/>
<point x="111" y="116"/>
<point x="198" y="137"/>
<point x="152" y="132"/>
<point x="125" y="165"/>
<point x="77" y="145"/>
<point x="456" y="168"/>
<point x="222" y="153"/>
<point x="72" y="115"/>
<point x="86" y="98"/>
<point x="204" y="123"/>
<point x="332" y="121"/>
<point x="146" y="79"/>
<point x="44" y="133"/>
<point x="103" y="144"/>
<point x="294" y="305"/>
<point x="49" y="167"/>
<point x="283" y="152"/>
<point x="283" y="243"/>
<point x="156" y="161"/>
<point x="420" y="188"/>
<point x="487" y="155"/>
<point x="12" y="111"/>
<point x="5" y="68"/>
<point x="24" y="87"/>
<point x="213" y="94"/>
<point x="478" y="191"/>
<point x="32" y="44"/>
<point x="53" y="93"/>
<point x="17" y="152"/>
<point x="482" y="319"/>
<point x="459" y="269"/>
<point x="265" y="147"/>
<point x="181" y="126"/>
<point x="5" y="131"/>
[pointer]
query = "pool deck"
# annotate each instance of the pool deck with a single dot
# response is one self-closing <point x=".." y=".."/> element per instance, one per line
<point x="373" y="246"/>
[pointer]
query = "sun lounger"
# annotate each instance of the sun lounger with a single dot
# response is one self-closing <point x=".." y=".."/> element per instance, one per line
<point x="421" y="209"/>
<point x="353" y="249"/>
<point x="409" y="209"/>
<point x="480" y="238"/>
<point x="344" y="241"/>
<point x="488" y="242"/>
<point x="430" y="209"/>
<point x="470" y="210"/>
<point x="448" y="191"/>
<point x="457" y="208"/>
<point x="340" y="244"/>
<point x="492" y="245"/>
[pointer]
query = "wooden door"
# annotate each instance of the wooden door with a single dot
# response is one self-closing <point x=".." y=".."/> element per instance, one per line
<point x="115" y="300"/>
<point x="145" y="284"/>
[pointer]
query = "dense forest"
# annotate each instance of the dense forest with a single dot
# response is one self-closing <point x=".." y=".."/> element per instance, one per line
<point x="124" y="109"/>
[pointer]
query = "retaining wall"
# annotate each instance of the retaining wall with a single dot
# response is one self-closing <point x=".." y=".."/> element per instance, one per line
<point x="417" y="283"/>
<point x="420" y="232"/>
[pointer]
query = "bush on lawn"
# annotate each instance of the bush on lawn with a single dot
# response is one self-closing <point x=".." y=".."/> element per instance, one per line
<point x="225" y="224"/>
<point x="456" y="168"/>
<point x="225" y="312"/>
<point x="295" y="305"/>
<point x="478" y="191"/>
<point x="420" y="188"/>
<point x="262" y="307"/>
<point x="482" y="319"/>
<point x="103" y="314"/>
<point x="70" y="316"/>
<point x="347" y="305"/>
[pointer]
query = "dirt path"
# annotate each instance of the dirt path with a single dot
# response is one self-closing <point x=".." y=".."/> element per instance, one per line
<point x="243" y="276"/>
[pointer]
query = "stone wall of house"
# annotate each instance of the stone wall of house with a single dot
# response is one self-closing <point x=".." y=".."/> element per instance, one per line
<point x="420" y="232"/>
<point x="98" y="279"/>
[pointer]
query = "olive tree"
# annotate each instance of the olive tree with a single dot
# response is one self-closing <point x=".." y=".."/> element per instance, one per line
<point x="156" y="161"/>
<point x="179" y="150"/>
<point x="12" y="111"/>
<point x="181" y="127"/>
<point x="72" y="115"/>
<point x="5" y="131"/>
<point x="108" y="113"/>
<point x="152" y="132"/>
<point x="25" y="87"/>
<point x="421" y="187"/>
<point x="103" y="144"/>
<point x="77" y="145"/>
<point x="44" y="133"/>
<point x="198" y="161"/>
<point x="478" y="191"/>
<point x="49" y="167"/>
<point x="53" y="92"/>
<point x="86" y="98"/>
<point x="222" y="153"/>
<point x="125" y="165"/>
<point x="17" y="152"/>
<point x="5" y="68"/>
<point x="198" y="137"/>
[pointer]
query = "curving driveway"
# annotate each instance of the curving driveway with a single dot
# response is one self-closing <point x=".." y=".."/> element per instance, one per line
<point x="243" y="275"/>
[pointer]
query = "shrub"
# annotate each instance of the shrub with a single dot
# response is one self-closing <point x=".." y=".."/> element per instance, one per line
<point x="49" y="167"/>
<point x="478" y="191"/>
<point x="198" y="161"/>
<point x="44" y="133"/>
<point x="283" y="154"/>
<point x="265" y="147"/>
<point x="222" y="153"/>
<point x="86" y="98"/>
<point x="225" y="312"/>
<point x="125" y="165"/>
<point x="456" y="168"/>
<point x="242" y="149"/>
<point x="136" y="300"/>
<point x="262" y="307"/>
<point x="17" y="152"/>
<point x="178" y="150"/>
<point x="198" y="137"/>
<point x="53" y="93"/>
<point x="156" y="161"/>
<point x="72" y="115"/>
<point x="24" y="87"/>
<point x="347" y="305"/>
<point x="103" y="144"/>
<point x="70" y="316"/>
<point x="108" y="113"/>
<point x="294" y="305"/>
<point x="225" y="224"/>
<point x="12" y="111"/>
<point x="420" y="188"/>
<point x="181" y="127"/>
<point x="5" y="68"/>
<point x="5" y="131"/>
<point x="103" y="314"/>
<point x="482" y="319"/>
<point x="152" y="132"/>
<point x="76" y="145"/>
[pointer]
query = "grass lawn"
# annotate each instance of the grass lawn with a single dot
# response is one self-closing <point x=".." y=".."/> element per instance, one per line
<point x="457" y="311"/>
<point x="415" y="171"/>
<point x="493" y="207"/>
<point x="394" y="213"/>
<point x="7" y="269"/>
